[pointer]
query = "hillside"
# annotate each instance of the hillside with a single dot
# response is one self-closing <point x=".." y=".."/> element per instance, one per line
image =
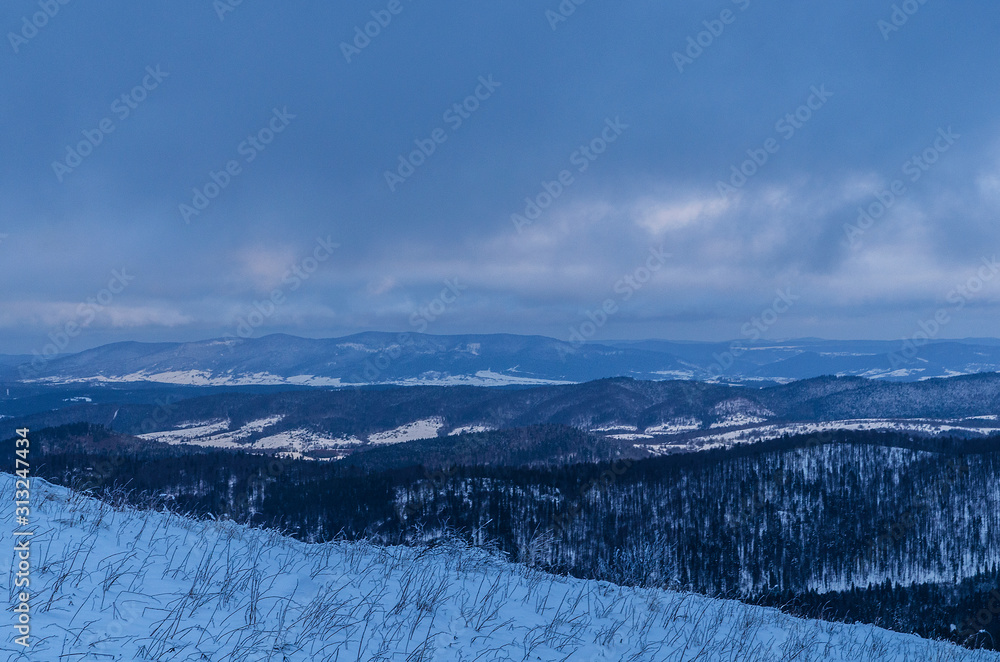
<point x="121" y="584"/>
<point x="874" y="527"/>
<point x="654" y="417"/>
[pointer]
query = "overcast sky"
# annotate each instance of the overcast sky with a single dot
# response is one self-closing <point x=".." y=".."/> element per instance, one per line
<point x="311" y="119"/>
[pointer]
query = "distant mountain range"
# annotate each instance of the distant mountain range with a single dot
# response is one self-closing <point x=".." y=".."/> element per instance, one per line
<point x="494" y="360"/>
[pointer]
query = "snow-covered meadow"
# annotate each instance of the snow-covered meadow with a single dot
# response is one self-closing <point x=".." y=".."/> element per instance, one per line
<point x="120" y="584"/>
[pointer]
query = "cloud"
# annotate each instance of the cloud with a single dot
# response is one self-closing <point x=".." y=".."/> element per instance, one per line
<point x="659" y="217"/>
<point x="49" y="315"/>
<point x="381" y="286"/>
<point x="141" y="316"/>
<point x="263" y="267"/>
<point x="656" y="185"/>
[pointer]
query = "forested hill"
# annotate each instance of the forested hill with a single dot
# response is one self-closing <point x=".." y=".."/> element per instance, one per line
<point x="652" y="416"/>
<point x="842" y="519"/>
<point x="606" y="402"/>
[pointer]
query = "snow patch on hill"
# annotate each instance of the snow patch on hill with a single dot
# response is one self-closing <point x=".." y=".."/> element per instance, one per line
<point x="424" y="429"/>
<point x="302" y="440"/>
<point x="480" y="378"/>
<point x="775" y="431"/>
<point x="188" y="431"/>
<point x="675" y="426"/>
<point x="737" y="420"/>
<point x="215" y="434"/>
<point x="877" y="373"/>
<point x="740" y="408"/>
<point x="470" y="429"/>
<point x="312" y="380"/>
<point x="209" y="378"/>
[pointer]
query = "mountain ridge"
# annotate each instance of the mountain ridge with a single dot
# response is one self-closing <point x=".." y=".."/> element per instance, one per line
<point x="493" y="360"/>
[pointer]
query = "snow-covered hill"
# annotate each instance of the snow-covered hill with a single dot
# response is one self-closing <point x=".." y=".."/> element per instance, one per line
<point x="111" y="584"/>
<point x="491" y="360"/>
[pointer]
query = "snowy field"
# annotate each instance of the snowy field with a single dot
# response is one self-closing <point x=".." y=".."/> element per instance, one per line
<point x="661" y="438"/>
<point x="725" y="439"/>
<point x="213" y="434"/>
<point x="423" y="429"/>
<point x="131" y="585"/>
<point x="228" y="378"/>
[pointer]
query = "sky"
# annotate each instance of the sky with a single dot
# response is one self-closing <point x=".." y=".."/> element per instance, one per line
<point x="675" y="170"/>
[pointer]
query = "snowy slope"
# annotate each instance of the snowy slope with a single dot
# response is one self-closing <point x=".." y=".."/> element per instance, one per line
<point x="755" y="433"/>
<point x="125" y="585"/>
<point x="260" y="435"/>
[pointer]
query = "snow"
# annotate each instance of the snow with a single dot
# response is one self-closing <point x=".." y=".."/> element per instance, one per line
<point x="615" y="428"/>
<point x="357" y="347"/>
<point x="675" y="426"/>
<point x="774" y="431"/>
<point x="424" y="429"/>
<point x="675" y="374"/>
<point x="123" y="585"/>
<point x="481" y="378"/>
<point x="217" y="434"/>
<point x="214" y="434"/>
<point x="741" y="408"/>
<point x="469" y="429"/>
<point x="312" y="380"/>
<point x="187" y="431"/>
<point x="208" y="378"/>
<point x="737" y="420"/>
<point x="178" y="377"/>
<point x="302" y="440"/>
<point x="882" y="374"/>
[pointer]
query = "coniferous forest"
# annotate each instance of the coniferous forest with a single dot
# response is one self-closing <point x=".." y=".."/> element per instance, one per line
<point x="859" y="526"/>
